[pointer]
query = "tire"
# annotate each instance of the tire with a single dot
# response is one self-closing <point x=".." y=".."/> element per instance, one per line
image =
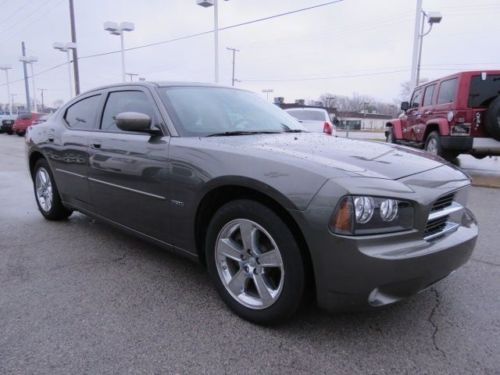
<point x="9" y="132"/>
<point x="433" y="146"/>
<point x="21" y="134"/>
<point x="492" y="122"/>
<point x="267" y="294"/>
<point x="390" y="135"/>
<point x="46" y="194"/>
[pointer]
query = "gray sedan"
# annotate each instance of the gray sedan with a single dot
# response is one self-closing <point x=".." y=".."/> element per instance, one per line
<point x="274" y="212"/>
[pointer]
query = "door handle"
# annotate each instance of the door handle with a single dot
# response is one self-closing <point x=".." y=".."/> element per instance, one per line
<point x="96" y="145"/>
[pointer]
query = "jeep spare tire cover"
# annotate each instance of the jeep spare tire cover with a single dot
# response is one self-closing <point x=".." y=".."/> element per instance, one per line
<point x="493" y="119"/>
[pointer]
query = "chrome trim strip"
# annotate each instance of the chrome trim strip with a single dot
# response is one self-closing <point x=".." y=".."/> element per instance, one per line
<point x="454" y="207"/>
<point x="450" y="227"/>
<point x="127" y="188"/>
<point x="71" y="173"/>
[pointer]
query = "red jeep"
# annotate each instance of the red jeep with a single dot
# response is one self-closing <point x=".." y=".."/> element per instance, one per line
<point x="457" y="114"/>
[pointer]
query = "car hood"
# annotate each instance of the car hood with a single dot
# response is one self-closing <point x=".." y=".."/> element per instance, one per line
<point x="332" y="156"/>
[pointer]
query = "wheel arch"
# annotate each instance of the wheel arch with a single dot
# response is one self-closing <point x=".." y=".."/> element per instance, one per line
<point x="33" y="158"/>
<point x="222" y="194"/>
<point x="397" y="128"/>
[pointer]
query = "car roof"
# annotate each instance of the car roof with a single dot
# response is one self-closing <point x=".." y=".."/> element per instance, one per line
<point x="466" y="73"/>
<point x="156" y="84"/>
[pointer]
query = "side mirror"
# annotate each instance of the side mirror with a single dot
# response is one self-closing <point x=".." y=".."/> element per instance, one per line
<point x="134" y="122"/>
<point x="405" y="106"/>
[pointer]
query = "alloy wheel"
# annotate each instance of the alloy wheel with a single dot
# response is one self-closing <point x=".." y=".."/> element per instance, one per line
<point x="432" y="146"/>
<point x="43" y="187"/>
<point x="249" y="264"/>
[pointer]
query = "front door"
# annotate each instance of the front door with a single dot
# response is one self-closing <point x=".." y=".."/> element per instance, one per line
<point x="128" y="170"/>
<point x="412" y="116"/>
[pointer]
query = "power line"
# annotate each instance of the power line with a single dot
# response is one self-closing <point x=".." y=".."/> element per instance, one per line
<point x="211" y="31"/>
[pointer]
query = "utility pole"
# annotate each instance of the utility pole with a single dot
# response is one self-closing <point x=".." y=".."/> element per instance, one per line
<point x="26" y="84"/>
<point x="41" y="93"/>
<point x="234" y="50"/>
<point x="75" y="53"/>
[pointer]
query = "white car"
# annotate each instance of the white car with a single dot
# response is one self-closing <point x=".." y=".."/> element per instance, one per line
<point x="315" y="120"/>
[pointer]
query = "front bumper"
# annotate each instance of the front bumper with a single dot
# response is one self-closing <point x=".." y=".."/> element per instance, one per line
<point x="372" y="271"/>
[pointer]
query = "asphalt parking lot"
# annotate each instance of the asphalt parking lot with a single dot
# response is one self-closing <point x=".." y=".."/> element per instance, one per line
<point x="81" y="297"/>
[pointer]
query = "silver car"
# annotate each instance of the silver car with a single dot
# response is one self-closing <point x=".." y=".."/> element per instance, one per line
<point x="313" y="119"/>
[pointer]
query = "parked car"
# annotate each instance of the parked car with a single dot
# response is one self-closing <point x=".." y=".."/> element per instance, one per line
<point x="314" y="119"/>
<point x="6" y="122"/>
<point x="457" y="114"/>
<point x="274" y="212"/>
<point x="25" y="120"/>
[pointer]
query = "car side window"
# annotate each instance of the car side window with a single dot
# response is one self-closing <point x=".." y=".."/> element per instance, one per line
<point x="125" y="101"/>
<point x="429" y="93"/>
<point x="416" y="98"/>
<point x="447" y="90"/>
<point x="82" y="114"/>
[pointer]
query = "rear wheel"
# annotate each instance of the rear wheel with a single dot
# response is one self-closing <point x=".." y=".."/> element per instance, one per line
<point x="433" y="145"/>
<point x="255" y="262"/>
<point x="46" y="193"/>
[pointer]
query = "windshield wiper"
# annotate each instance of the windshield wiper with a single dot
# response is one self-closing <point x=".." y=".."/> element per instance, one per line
<point x="240" y="132"/>
<point x="290" y="130"/>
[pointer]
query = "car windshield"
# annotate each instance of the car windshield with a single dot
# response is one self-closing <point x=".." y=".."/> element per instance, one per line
<point x="205" y="111"/>
<point x="482" y="91"/>
<point x="308" y="115"/>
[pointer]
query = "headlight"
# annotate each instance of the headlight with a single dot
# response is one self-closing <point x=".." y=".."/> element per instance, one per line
<point x="362" y="215"/>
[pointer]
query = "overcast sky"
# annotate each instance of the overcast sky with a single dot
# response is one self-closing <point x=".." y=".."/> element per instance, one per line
<point x="355" y="46"/>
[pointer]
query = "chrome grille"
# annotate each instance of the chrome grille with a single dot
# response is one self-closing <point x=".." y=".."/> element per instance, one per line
<point x="443" y="202"/>
<point x="438" y="222"/>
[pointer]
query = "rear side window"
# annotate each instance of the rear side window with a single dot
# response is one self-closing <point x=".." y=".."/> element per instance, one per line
<point x="483" y="91"/>
<point x="447" y="91"/>
<point x="125" y="101"/>
<point x="429" y="92"/>
<point x="82" y="114"/>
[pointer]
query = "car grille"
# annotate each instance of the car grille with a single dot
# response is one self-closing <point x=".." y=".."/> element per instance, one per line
<point x="438" y="222"/>
<point x="443" y="202"/>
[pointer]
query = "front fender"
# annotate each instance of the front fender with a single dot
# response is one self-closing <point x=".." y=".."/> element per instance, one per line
<point x="397" y="125"/>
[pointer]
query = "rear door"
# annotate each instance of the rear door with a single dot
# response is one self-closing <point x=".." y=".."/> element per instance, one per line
<point x="68" y="148"/>
<point x="128" y="170"/>
<point x="445" y="98"/>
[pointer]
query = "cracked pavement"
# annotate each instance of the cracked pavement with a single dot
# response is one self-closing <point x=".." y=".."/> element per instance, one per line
<point x="81" y="297"/>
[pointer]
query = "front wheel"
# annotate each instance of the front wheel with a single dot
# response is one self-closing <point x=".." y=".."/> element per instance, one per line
<point x="255" y="262"/>
<point x="46" y="193"/>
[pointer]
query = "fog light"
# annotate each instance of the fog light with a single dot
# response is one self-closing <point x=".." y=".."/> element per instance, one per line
<point x="363" y="209"/>
<point x="388" y="210"/>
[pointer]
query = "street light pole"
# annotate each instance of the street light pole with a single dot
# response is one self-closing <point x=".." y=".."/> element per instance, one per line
<point x="267" y="92"/>
<point x="25" y="71"/>
<point x="416" y="45"/>
<point x="234" y="50"/>
<point x="118" y="29"/>
<point x="216" y="40"/>
<point x="432" y="18"/>
<point x="67" y="48"/>
<point x="215" y="4"/>
<point x="75" y="52"/>
<point x="6" y="68"/>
